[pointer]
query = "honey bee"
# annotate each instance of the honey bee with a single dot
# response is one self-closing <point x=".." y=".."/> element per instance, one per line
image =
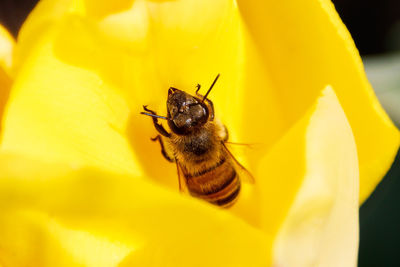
<point x="206" y="168"/>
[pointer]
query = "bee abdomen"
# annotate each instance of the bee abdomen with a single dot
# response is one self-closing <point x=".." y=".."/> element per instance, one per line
<point x="218" y="185"/>
<point x="229" y="199"/>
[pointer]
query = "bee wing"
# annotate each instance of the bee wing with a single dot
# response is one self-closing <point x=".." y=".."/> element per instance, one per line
<point x="245" y="145"/>
<point x="244" y="174"/>
<point x="181" y="178"/>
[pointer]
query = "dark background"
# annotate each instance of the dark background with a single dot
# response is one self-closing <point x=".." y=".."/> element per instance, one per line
<point x="375" y="27"/>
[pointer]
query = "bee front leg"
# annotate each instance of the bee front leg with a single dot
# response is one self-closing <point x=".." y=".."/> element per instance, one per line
<point x="163" y="151"/>
<point x="209" y="102"/>
<point x="157" y="125"/>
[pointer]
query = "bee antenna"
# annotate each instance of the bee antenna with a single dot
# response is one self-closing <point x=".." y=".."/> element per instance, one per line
<point x="209" y="90"/>
<point x="153" y="115"/>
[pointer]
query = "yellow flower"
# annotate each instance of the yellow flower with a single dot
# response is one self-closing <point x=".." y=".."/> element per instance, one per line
<point x="82" y="185"/>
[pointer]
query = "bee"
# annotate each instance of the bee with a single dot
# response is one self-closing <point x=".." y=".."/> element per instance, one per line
<point x="197" y="143"/>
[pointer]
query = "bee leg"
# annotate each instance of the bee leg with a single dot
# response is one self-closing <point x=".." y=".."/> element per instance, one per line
<point x="210" y="103"/>
<point x="163" y="151"/>
<point x="157" y="125"/>
<point x="198" y="86"/>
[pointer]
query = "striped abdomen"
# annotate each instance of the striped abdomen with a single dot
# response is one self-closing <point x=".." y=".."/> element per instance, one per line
<point x="219" y="184"/>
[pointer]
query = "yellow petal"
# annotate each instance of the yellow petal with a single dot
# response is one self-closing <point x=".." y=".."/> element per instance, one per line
<point x="5" y="85"/>
<point x="63" y="112"/>
<point x="54" y="215"/>
<point x="37" y="239"/>
<point x="313" y="205"/>
<point x="43" y="16"/>
<point x="305" y="46"/>
<point x="6" y="51"/>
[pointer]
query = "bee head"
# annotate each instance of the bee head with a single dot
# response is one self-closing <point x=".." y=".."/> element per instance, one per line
<point x="185" y="112"/>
